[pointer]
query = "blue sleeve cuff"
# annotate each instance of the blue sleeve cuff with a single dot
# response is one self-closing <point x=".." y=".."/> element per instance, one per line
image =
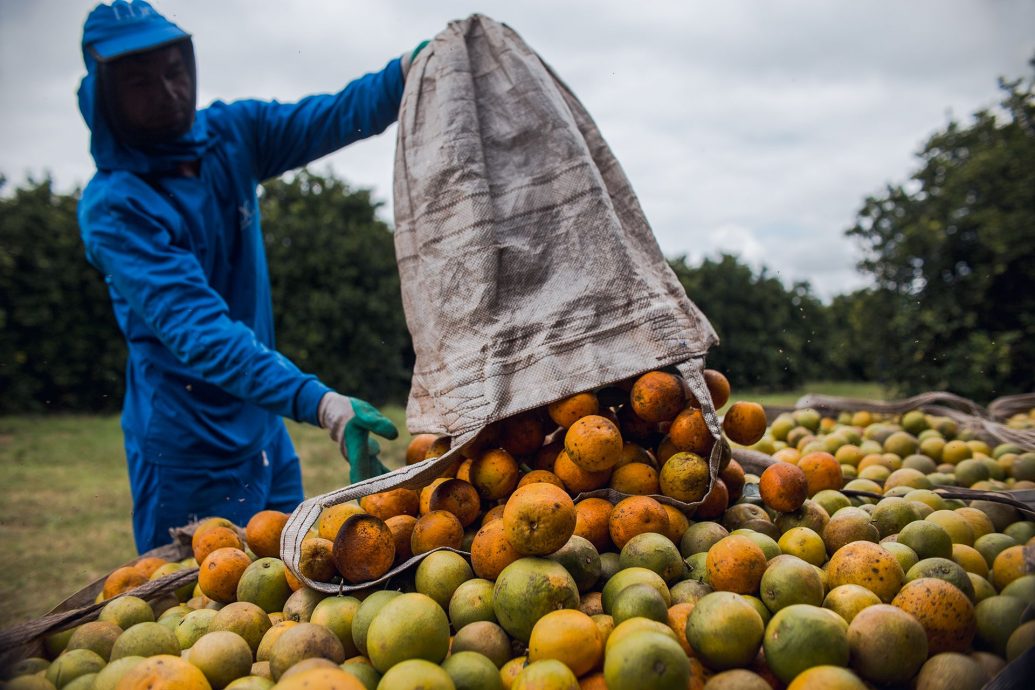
<point x="307" y="401"/>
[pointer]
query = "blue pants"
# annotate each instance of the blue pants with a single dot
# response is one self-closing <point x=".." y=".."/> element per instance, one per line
<point x="168" y="496"/>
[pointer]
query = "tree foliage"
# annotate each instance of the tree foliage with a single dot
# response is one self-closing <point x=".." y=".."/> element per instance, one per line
<point x="60" y="347"/>
<point x="770" y="335"/>
<point x="336" y="296"/>
<point x="952" y="253"/>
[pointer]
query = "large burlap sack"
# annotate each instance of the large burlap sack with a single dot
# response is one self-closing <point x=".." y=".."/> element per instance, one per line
<point x="528" y="270"/>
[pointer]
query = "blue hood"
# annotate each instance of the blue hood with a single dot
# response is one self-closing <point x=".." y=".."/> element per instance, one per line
<point x="113" y="31"/>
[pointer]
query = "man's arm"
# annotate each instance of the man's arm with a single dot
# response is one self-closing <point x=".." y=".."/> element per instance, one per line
<point x="166" y="287"/>
<point x="289" y="135"/>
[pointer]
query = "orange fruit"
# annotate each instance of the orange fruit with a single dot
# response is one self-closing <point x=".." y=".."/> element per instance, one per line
<point x="677" y="615"/>
<point x="147" y="566"/>
<point x="677" y="523"/>
<point x="122" y="580"/>
<point x="424" y="504"/>
<point x="545" y="457"/>
<point x="666" y="449"/>
<point x="633" y="428"/>
<point x="457" y="497"/>
<point x="544" y="476"/>
<point x="594" y="443"/>
<point x="418" y="447"/>
<point x="783" y="487"/>
<point x="215" y="538"/>
<point x="945" y="612"/>
<point x="390" y="503"/>
<point x="494" y="513"/>
<point x="592" y="517"/>
<point x="522" y="434"/>
<point x="868" y="565"/>
<point x="657" y="396"/>
<point x="434" y="529"/>
<point x="220" y="572"/>
<point x="733" y="475"/>
<point x="735" y="564"/>
<point x="164" y="672"/>
<point x="494" y="474"/>
<point x="364" y="549"/>
<point x="822" y="471"/>
<point x="636" y="515"/>
<point x="331" y="519"/>
<point x="715" y="501"/>
<point x="401" y="527"/>
<point x="569" y="410"/>
<point x="316" y="560"/>
<point x="635" y="478"/>
<point x="263" y="533"/>
<point x="438" y="447"/>
<point x="744" y="422"/>
<point x="689" y="432"/>
<point x="685" y="476"/>
<point x="491" y="552"/>
<point x="568" y="636"/>
<point x="539" y="519"/>
<point x="718" y="386"/>
<point x="576" y="479"/>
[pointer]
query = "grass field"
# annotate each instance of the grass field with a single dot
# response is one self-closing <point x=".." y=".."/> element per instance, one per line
<point x="65" y="508"/>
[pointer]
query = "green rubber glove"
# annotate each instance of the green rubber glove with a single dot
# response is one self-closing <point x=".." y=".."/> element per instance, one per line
<point x="408" y="58"/>
<point x="360" y="449"/>
<point x="350" y="422"/>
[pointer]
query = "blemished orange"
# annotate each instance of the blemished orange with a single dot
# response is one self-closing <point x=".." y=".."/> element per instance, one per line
<point x="733" y="475"/>
<point x="545" y="457"/>
<point x="569" y="410"/>
<point x="657" y="396"/>
<point x="418" y="447"/>
<point x="635" y="478"/>
<point x="495" y="474"/>
<point x="491" y="552"/>
<point x="592" y="518"/>
<point x="685" y="477"/>
<point x="783" y="487"/>
<point x="424" y="503"/>
<point x="735" y="564"/>
<point x="332" y="518"/>
<point x="633" y="428"/>
<point x="715" y="501"/>
<point x="263" y="533"/>
<point x="386" y="504"/>
<point x="677" y="523"/>
<point x="822" y="471"/>
<point x="689" y="432"/>
<point x="718" y="386"/>
<point x="364" y="549"/>
<point x="401" y="527"/>
<point x="434" y="529"/>
<point x="493" y="513"/>
<point x="594" y="443"/>
<point x="215" y="538"/>
<point x="457" y="497"/>
<point x="576" y="479"/>
<point x="522" y="434"/>
<point x="122" y="580"/>
<point x="636" y="515"/>
<point x="539" y="519"/>
<point x="536" y="476"/>
<point x="316" y="560"/>
<point x="744" y="422"/>
<point x="220" y="572"/>
<point x="569" y="636"/>
<point x="147" y="566"/>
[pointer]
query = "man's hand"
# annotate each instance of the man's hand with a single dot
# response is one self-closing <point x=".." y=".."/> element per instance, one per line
<point x="408" y="58"/>
<point x="350" y="421"/>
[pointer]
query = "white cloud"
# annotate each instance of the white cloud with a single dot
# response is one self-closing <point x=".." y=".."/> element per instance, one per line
<point x="742" y="125"/>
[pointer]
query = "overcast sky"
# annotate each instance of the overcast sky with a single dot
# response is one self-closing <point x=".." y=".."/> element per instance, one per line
<point x="756" y="128"/>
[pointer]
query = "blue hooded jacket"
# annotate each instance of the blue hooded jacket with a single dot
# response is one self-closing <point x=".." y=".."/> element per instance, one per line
<point x="183" y="257"/>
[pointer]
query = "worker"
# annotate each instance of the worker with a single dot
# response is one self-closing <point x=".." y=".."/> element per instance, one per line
<point x="171" y="219"/>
